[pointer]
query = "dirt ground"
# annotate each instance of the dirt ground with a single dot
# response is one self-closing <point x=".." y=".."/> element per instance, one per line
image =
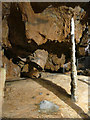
<point x="23" y="96"/>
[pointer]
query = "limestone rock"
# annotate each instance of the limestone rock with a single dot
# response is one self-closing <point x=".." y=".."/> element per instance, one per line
<point x="12" y="70"/>
<point x="48" y="107"/>
<point x="39" y="57"/>
<point x="25" y="33"/>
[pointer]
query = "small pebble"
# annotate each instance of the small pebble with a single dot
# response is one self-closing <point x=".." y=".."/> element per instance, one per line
<point x="40" y="93"/>
<point x="7" y="89"/>
<point x="85" y="80"/>
<point x="8" y="84"/>
<point x="38" y="110"/>
<point x="33" y="97"/>
<point x="47" y="94"/>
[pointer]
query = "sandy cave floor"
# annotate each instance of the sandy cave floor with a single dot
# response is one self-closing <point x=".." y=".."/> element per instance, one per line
<point x="21" y="97"/>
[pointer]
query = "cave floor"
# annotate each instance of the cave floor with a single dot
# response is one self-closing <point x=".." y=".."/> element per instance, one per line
<point x="23" y="96"/>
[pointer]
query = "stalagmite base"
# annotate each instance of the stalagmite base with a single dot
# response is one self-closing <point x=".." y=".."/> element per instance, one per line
<point x="74" y="85"/>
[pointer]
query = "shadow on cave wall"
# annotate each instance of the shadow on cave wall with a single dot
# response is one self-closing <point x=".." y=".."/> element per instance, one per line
<point x="17" y="37"/>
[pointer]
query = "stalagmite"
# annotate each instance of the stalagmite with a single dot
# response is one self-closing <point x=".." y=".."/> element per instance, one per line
<point x="73" y="65"/>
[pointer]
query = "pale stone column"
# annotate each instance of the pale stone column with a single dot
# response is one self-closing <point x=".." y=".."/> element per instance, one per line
<point x="73" y="65"/>
<point x="2" y="84"/>
<point x="1" y="93"/>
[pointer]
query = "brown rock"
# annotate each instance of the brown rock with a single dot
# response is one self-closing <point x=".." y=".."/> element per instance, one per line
<point x="41" y="35"/>
<point x="54" y="63"/>
<point x="34" y="73"/>
<point x="12" y="70"/>
<point x="5" y="31"/>
<point x="39" y="57"/>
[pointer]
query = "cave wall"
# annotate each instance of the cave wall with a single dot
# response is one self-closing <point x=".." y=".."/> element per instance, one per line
<point x="27" y="28"/>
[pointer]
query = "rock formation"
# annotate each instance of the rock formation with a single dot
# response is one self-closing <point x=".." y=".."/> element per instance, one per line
<point x="48" y="32"/>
